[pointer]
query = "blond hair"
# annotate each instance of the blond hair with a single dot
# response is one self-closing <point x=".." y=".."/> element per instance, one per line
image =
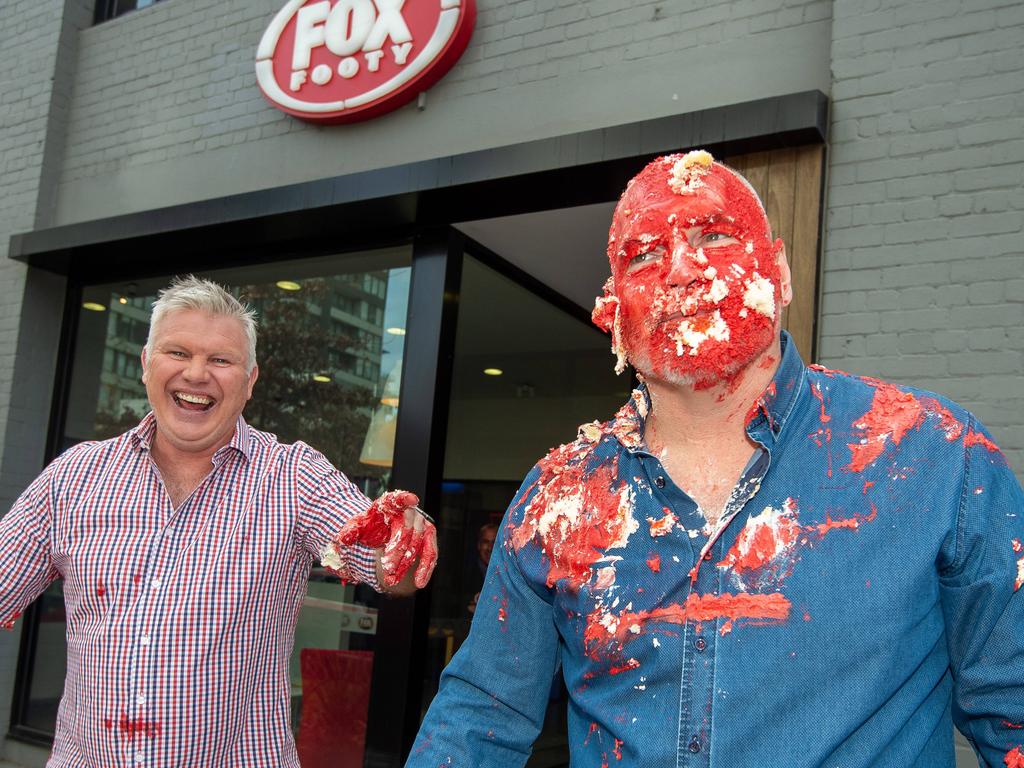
<point x="191" y="292"/>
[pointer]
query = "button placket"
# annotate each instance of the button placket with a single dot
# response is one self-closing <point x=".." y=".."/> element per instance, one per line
<point x="700" y="643"/>
<point x="147" y="619"/>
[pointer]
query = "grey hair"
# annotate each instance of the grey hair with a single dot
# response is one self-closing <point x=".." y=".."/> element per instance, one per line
<point x="191" y="292"/>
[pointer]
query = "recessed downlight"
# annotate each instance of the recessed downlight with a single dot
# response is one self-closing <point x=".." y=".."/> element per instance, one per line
<point x="288" y="285"/>
<point x="93" y="306"/>
<point x="493" y="371"/>
<point x="323" y="378"/>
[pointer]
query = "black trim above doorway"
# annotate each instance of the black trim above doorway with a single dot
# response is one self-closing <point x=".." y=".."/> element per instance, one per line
<point x="586" y="167"/>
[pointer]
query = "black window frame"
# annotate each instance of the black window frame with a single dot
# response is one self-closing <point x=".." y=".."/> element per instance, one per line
<point x="107" y="10"/>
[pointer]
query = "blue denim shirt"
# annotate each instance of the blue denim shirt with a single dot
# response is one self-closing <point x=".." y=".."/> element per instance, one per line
<point x="861" y="594"/>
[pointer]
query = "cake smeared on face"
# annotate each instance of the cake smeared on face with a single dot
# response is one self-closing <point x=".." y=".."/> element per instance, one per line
<point x="697" y="282"/>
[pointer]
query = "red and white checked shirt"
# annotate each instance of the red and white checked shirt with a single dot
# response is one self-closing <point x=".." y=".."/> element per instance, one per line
<point x="180" y="622"/>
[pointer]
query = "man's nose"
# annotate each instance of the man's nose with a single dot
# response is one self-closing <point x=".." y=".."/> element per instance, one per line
<point x="683" y="267"/>
<point x="196" y="368"/>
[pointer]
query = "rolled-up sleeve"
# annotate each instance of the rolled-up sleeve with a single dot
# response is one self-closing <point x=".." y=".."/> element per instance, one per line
<point x="328" y="500"/>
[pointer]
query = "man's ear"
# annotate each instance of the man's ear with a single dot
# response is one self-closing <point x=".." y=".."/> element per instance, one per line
<point x="143" y="365"/>
<point x="603" y="315"/>
<point x="785" y="277"/>
<point x="253" y="375"/>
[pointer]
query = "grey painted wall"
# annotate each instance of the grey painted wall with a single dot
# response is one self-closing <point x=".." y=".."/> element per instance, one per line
<point x="924" y="256"/>
<point x="35" y="44"/>
<point x="170" y="92"/>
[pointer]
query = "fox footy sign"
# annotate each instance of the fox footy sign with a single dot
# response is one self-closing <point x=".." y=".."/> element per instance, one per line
<point x="338" y="61"/>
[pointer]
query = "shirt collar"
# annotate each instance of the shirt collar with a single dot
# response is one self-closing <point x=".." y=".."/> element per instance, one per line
<point x="771" y="410"/>
<point x="142" y="437"/>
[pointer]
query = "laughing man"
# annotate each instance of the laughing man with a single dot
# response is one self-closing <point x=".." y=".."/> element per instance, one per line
<point x="185" y="545"/>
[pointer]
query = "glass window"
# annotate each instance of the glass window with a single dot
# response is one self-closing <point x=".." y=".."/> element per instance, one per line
<point x="345" y="405"/>
<point x="108" y="9"/>
<point x="556" y="373"/>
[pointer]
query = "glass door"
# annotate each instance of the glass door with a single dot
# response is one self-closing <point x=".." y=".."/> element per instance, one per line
<point x="527" y="372"/>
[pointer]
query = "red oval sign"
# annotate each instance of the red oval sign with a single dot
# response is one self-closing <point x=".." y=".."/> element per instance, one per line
<point x="338" y="61"/>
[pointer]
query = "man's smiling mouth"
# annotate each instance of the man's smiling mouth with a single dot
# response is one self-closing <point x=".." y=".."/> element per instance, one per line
<point x="191" y="401"/>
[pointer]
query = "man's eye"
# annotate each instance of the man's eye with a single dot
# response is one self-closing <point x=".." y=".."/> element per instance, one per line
<point x="715" y="238"/>
<point x="221" y="361"/>
<point x="176" y="353"/>
<point x="654" y="254"/>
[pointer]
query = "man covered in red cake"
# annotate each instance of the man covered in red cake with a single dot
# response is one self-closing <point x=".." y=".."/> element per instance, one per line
<point x="185" y="545"/>
<point x="755" y="561"/>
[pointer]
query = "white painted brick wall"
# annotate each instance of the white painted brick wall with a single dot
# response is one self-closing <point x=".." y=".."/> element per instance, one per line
<point x="924" y="259"/>
<point x="29" y="31"/>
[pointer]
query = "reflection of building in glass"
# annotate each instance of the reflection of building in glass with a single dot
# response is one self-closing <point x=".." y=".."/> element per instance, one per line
<point x="356" y="310"/>
<point x="121" y="386"/>
<point x="346" y="312"/>
<point x="351" y="307"/>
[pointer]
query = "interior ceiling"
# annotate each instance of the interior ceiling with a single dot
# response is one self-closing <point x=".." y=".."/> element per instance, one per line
<point x="503" y="325"/>
<point x="563" y="248"/>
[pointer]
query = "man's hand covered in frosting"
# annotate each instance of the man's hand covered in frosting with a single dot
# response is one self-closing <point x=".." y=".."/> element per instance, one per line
<point x="406" y="534"/>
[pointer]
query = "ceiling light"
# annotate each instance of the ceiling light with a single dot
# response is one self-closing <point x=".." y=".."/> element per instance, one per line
<point x="122" y="300"/>
<point x="288" y="285"/>
<point x="395" y="331"/>
<point x="323" y="378"/>
<point x="93" y="306"/>
<point x="392" y="401"/>
<point x="493" y="371"/>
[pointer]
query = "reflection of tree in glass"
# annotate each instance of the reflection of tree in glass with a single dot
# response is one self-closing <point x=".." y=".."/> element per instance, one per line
<point x="296" y="340"/>
<point x="113" y="424"/>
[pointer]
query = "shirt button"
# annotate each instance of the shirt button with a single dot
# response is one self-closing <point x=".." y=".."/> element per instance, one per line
<point x="694" y="745"/>
<point x="140" y="699"/>
<point x="140" y="758"/>
<point x="144" y="640"/>
<point x="700" y="643"/>
<point x="659" y="481"/>
<point x="156" y="583"/>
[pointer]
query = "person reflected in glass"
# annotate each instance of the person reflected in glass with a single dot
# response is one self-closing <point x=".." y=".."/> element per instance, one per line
<point x="478" y="569"/>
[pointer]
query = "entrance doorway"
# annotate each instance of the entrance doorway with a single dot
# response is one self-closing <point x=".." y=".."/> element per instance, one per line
<point x="527" y="372"/>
